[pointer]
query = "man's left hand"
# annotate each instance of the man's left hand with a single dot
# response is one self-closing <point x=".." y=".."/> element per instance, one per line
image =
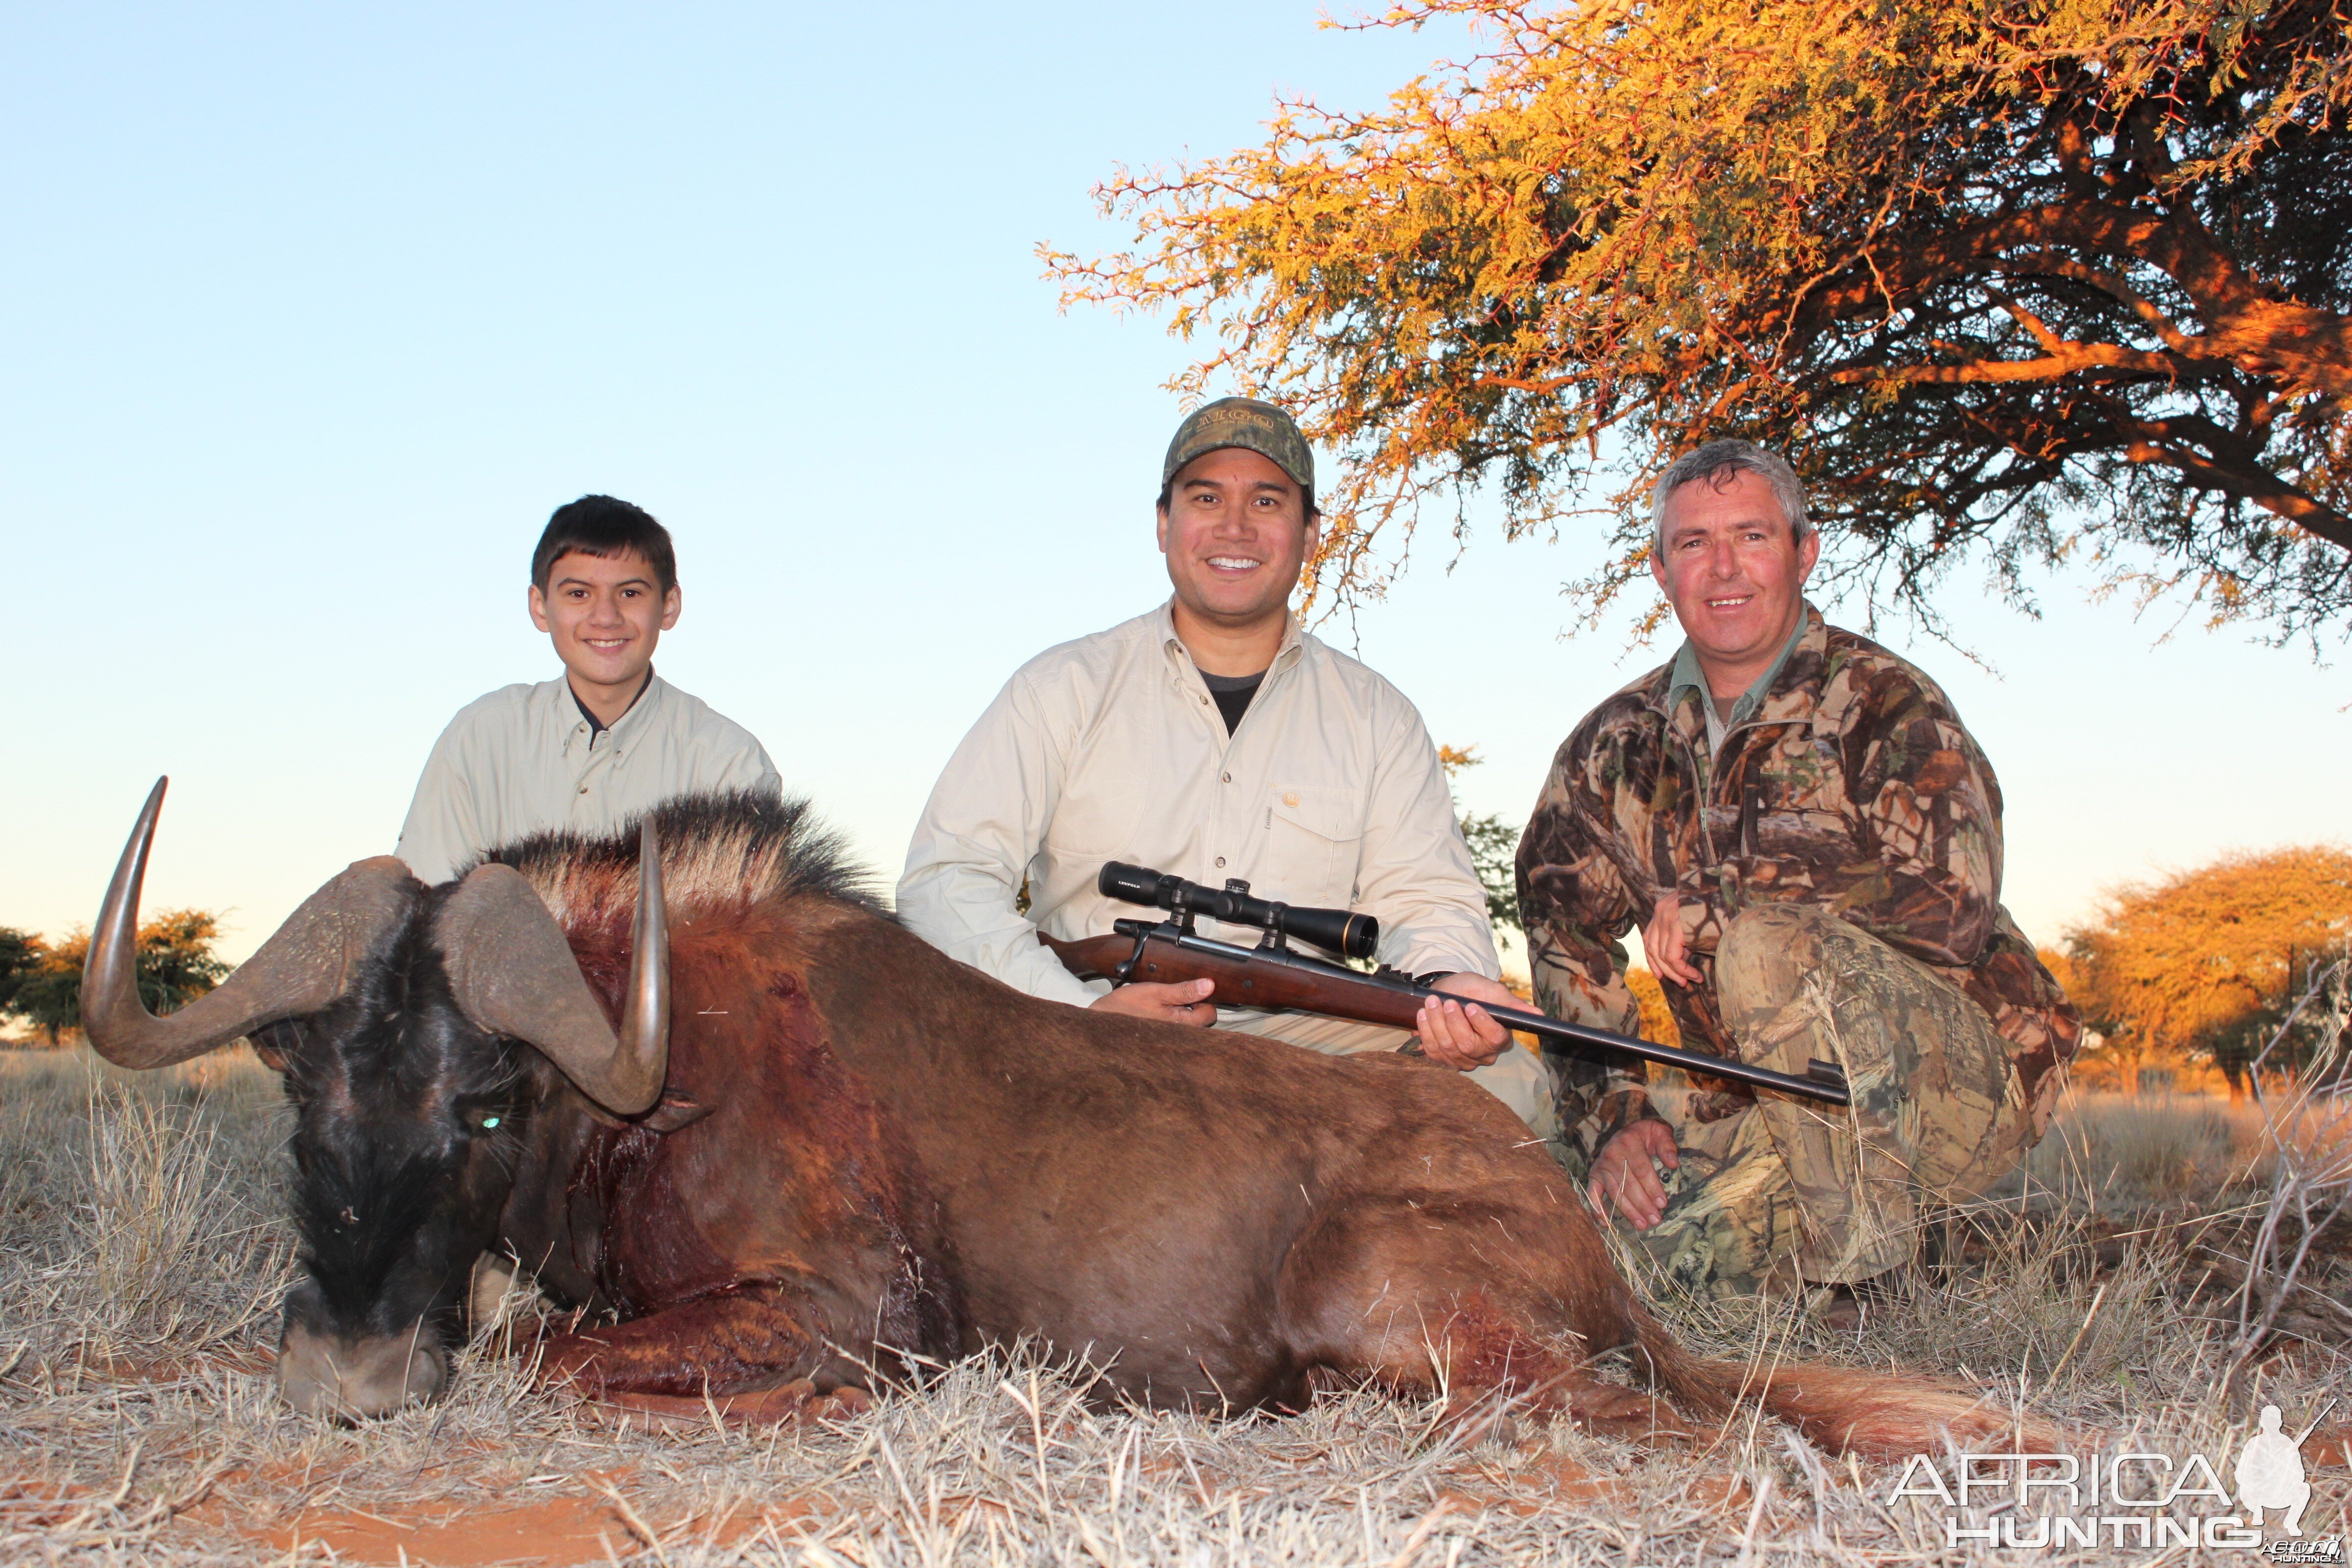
<point x="1461" y="1034"/>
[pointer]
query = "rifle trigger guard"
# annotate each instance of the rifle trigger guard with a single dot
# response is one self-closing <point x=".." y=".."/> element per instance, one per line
<point x="1125" y="971"/>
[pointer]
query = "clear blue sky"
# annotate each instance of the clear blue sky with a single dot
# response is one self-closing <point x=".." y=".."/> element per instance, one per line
<point x="312" y="313"/>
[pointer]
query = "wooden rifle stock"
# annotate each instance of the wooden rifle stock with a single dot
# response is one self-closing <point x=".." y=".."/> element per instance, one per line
<point x="1276" y="977"/>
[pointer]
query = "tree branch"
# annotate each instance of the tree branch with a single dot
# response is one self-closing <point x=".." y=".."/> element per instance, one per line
<point x="2245" y="324"/>
<point x="2152" y="442"/>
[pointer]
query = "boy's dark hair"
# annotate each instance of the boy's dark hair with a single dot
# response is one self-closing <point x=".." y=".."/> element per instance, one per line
<point x="604" y="526"/>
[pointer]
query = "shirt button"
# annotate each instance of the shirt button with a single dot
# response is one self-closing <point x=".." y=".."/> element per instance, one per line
<point x="1204" y="702"/>
<point x="1221" y="861"/>
<point x="583" y="789"/>
<point x="1229" y="778"/>
<point x="1290" y="797"/>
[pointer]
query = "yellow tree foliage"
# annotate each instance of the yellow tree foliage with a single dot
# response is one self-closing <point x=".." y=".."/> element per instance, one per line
<point x="2206" y="962"/>
<point x="2000" y="276"/>
<point x="1658" y="1026"/>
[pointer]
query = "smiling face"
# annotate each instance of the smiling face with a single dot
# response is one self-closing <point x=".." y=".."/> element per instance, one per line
<point x="1734" y="573"/>
<point x="604" y="613"/>
<point x="1236" y="533"/>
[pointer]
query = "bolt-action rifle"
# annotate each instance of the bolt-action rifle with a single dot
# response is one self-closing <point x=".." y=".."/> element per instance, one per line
<point x="1272" y="974"/>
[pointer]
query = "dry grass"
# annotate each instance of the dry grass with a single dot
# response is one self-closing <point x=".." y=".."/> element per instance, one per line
<point x="142" y="1253"/>
<point x="2126" y="1153"/>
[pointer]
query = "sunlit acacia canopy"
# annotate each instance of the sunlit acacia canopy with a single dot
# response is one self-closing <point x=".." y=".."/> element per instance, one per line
<point x="2187" y="964"/>
<point x="2005" y="282"/>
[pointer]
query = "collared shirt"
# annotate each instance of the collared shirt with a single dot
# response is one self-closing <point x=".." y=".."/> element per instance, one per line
<point x="1327" y="793"/>
<point x="1687" y="673"/>
<point x="524" y="759"/>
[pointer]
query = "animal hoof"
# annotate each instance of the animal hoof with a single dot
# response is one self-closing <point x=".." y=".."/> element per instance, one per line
<point x="835" y="1403"/>
<point x="840" y="1404"/>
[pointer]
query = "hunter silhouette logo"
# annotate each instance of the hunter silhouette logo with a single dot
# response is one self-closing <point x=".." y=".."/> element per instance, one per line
<point x="2270" y="1474"/>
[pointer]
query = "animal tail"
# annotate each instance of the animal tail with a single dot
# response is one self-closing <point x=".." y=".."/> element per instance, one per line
<point x="1882" y="1414"/>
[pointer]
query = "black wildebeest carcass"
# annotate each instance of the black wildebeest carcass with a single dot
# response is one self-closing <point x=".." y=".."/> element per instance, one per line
<point x="811" y="1142"/>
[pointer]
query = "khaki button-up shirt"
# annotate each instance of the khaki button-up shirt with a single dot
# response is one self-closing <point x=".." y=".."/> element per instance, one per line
<point x="1327" y="793"/>
<point x="523" y="760"/>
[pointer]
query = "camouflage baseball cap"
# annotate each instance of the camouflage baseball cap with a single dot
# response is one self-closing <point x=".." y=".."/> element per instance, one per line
<point x="1243" y="422"/>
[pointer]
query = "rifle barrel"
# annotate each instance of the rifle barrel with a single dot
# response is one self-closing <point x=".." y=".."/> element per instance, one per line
<point x="1548" y="1028"/>
<point x="1824" y="1083"/>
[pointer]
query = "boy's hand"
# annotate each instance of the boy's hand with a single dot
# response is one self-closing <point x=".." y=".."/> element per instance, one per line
<point x="1174" y="1002"/>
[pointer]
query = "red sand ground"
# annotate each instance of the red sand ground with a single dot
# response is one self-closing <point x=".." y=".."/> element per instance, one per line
<point x="559" y="1530"/>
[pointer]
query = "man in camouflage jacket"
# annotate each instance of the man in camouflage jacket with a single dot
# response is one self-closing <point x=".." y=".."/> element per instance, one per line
<point x="1818" y="876"/>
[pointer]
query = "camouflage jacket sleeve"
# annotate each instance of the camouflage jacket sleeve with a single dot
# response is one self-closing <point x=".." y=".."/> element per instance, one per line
<point x="1576" y="905"/>
<point x="1930" y="808"/>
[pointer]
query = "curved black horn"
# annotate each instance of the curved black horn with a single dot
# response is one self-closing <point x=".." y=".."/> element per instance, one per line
<point x="306" y="964"/>
<point x="645" y="1007"/>
<point x="511" y="971"/>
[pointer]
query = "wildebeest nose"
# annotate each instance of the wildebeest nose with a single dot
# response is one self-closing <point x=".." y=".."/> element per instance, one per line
<point x="351" y="1380"/>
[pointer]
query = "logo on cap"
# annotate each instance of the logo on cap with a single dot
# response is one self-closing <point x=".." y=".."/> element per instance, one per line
<point x="1245" y="422"/>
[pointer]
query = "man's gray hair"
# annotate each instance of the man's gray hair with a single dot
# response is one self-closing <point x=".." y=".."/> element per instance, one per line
<point x="1716" y="462"/>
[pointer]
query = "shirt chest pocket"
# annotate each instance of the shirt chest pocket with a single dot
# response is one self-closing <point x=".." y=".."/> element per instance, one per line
<point x="1314" y="839"/>
<point x="1796" y="810"/>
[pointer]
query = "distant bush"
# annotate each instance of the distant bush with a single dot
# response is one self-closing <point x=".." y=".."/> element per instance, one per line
<point x="177" y="963"/>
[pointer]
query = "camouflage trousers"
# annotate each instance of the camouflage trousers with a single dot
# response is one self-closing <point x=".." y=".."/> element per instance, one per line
<point x="1779" y="1191"/>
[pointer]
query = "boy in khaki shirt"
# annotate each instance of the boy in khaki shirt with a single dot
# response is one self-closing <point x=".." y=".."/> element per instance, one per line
<point x="605" y="741"/>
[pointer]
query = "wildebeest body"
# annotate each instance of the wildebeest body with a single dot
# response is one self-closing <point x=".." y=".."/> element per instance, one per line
<point x="888" y="1150"/>
<point x="1219" y="1213"/>
<point x="862" y="1149"/>
<point x="895" y="1152"/>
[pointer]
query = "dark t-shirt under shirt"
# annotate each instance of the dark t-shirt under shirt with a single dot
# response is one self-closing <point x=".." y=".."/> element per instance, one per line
<point x="1233" y="693"/>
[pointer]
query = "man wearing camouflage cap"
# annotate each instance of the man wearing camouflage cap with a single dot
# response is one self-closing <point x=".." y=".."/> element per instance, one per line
<point x="1213" y="737"/>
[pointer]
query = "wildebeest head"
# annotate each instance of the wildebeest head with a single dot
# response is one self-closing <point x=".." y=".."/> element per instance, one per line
<point x="409" y="1022"/>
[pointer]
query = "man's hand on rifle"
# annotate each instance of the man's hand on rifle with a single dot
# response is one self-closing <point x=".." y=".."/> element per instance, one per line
<point x="1460" y="1034"/>
<point x="1178" y="1002"/>
<point x="1623" y="1172"/>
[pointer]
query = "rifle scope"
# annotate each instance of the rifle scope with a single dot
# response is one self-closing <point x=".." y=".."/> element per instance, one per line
<point x="1343" y="932"/>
